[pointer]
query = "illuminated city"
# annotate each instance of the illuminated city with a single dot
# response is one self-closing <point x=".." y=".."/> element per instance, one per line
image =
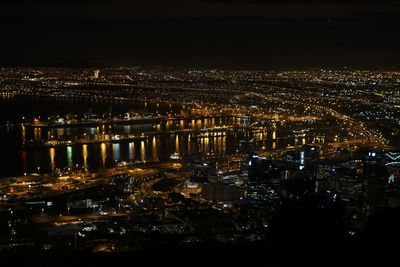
<point x="138" y="162"/>
<point x="137" y="151"/>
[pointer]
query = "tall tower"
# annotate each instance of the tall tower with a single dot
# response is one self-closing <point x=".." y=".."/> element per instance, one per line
<point x="96" y="74"/>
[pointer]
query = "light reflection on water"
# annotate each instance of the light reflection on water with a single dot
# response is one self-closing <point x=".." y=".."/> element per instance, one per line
<point x="52" y="159"/>
<point x="142" y="151"/>
<point x="69" y="157"/>
<point x="159" y="145"/>
<point x="154" y="149"/>
<point x="103" y="154"/>
<point x="85" y="155"/>
<point x="131" y="151"/>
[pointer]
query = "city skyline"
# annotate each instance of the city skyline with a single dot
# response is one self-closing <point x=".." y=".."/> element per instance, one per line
<point x="115" y="163"/>
<point x="210" y="132"/>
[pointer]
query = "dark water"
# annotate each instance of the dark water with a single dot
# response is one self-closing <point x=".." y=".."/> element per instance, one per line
<point x="13" y="108"/>
<point x="160" y="143"/>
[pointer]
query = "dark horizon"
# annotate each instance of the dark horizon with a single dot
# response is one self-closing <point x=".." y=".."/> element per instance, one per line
<point x="60" y="63"/>
<point x="202" y="33"/>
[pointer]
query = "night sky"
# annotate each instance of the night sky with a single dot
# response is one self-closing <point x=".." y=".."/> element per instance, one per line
<point x="202" y="33"/>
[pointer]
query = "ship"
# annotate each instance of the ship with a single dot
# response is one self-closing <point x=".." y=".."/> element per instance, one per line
<point x="175" y="156"/>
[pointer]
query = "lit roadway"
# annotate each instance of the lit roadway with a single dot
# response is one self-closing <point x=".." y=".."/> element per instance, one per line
<point x="362" y="135"/>
<point x="42" y="186"/>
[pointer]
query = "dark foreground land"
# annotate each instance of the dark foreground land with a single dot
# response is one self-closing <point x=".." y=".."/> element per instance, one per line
<point x="295" y="239"/>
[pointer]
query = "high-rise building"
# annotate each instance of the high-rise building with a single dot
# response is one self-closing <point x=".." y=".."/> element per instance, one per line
<point x="220" y="192"/>
<point x="309" y="155"/>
